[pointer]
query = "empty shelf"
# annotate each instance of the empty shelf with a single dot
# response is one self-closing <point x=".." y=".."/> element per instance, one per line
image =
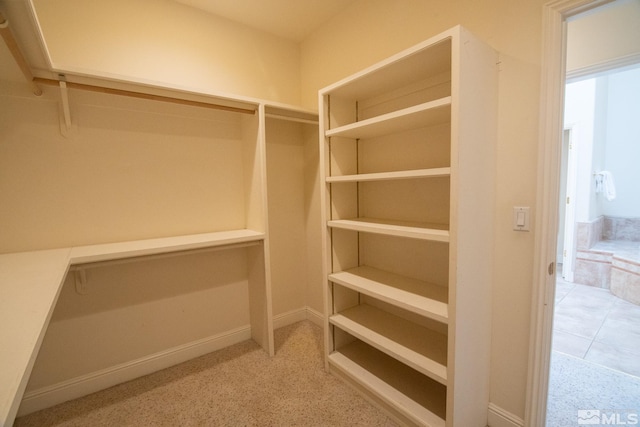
<point x="413" y="230"/>
<point x="30" y="283"/>
<point x="422" y="115"/>
<point x="417" y="296"/>
<point x="416" y="346"/>
<point x="386" y="176"/>
<point x="111" y="251"/>
<point x="413" y="395"/>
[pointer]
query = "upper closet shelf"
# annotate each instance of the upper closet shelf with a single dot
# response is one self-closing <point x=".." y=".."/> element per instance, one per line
<point x="113" y="251"/>
<point x="417" y="116"/>
<point x="413" y="295"/>
<point x="413" y="230"/>
<point x="386" y="176"/>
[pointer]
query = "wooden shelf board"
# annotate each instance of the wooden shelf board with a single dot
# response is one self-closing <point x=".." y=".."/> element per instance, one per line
<point x="417" y="296"/>
<point x="430" y="57"/>
<point x="417" y="116"/>
<point x="112" y="251"/>
<point x="30" y="283"/>
<point x="414" y="396"/>
<point x="414" y="345"/>
<point x="386" y="176"/>
<point x="414" y="230"/>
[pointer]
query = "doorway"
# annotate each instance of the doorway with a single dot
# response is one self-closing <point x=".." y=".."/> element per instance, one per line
<point x="595" y="358"/>
<point x="556" y="15"/>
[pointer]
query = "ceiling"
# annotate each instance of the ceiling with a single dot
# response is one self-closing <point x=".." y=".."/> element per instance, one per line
<point x="291" y="19"/>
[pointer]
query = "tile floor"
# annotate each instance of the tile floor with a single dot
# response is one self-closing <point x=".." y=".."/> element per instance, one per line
<point x="595" y="325"/>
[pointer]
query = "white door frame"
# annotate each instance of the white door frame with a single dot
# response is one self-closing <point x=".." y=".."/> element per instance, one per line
<point x="569" y="249"/>
<point x="553" y="77"/>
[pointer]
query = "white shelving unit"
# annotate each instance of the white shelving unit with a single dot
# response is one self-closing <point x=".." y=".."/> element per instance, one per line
<point x="32" y="282"/>
<point x="121" y="250"/>
<point x="383" y="176"/>
<point x="407" y="152"/>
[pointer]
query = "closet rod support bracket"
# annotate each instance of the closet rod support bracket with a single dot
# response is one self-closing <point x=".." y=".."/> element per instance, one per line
<point x="66" y="125"/>
<point x="80" y="276"/>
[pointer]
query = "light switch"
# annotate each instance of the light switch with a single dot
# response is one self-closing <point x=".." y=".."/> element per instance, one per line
<point x="521" y="218"/>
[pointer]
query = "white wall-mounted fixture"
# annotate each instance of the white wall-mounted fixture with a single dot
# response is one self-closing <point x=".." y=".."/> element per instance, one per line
<point x="521" y="218"/>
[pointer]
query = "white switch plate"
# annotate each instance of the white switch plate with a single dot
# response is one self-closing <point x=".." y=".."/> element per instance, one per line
<point x="521" y="218"/>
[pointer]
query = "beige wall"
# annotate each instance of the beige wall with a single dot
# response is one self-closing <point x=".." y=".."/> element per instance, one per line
<point x="133" y="310"/>
<point x="287" y="237"/>
<point x="167" y="43"/>
<point x="371" y="30"/>
<point x="610" y="34"/>
<point x="130" y="169"/>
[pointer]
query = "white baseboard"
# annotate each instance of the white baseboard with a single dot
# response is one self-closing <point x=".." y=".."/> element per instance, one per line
<point x="498" y="417"/>
<point x="74" y="388"/>
<point x="297" y="315"/>
<point x="289" y="318"/>
<point x="90" y="383"/>
<point x="315" y="317"/>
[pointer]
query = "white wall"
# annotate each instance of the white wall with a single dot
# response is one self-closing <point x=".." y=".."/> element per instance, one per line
<point x="623" y="142"/>
<point x="371" y="30"/>
<point x="167" y="43"/>
<point x="579" y="116"/>
<point x="131" y="169"/>
<point x="599" y="150"/>
<point x="294" y="216"/>
<point x="602" y="113"/>
<point x="611" y="33"/>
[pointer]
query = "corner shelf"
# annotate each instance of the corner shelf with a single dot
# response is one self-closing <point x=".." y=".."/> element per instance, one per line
<point x="137" y="248"/>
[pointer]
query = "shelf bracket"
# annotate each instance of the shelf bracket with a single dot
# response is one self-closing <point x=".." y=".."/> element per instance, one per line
<point x="66" y="112"/>
<point x="66" y="125"/>
<point x="80" y="276"/>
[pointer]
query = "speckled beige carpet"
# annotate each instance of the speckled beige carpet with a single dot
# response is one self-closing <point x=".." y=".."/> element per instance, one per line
<point x="236" y="386"/>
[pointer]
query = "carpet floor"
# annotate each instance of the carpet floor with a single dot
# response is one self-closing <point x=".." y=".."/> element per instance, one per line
<point x="237" y="386"/>
<point x="582" y="390"/>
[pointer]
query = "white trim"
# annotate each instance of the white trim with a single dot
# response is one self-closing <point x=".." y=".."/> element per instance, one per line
<point x="298" y="315"/>
<point x="289" y="318"/>
<point x="604" y="67"/>
<point x="555" y="14"/>
<point x="90" y="383"/>
<point x="36" y="23"/>
<point x="315" y="317"/>
<point x="498" y="417"/>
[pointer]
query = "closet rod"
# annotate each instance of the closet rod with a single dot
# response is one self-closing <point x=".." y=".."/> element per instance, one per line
<point x="146" y="96"/>
<point x="11" y="43"/>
